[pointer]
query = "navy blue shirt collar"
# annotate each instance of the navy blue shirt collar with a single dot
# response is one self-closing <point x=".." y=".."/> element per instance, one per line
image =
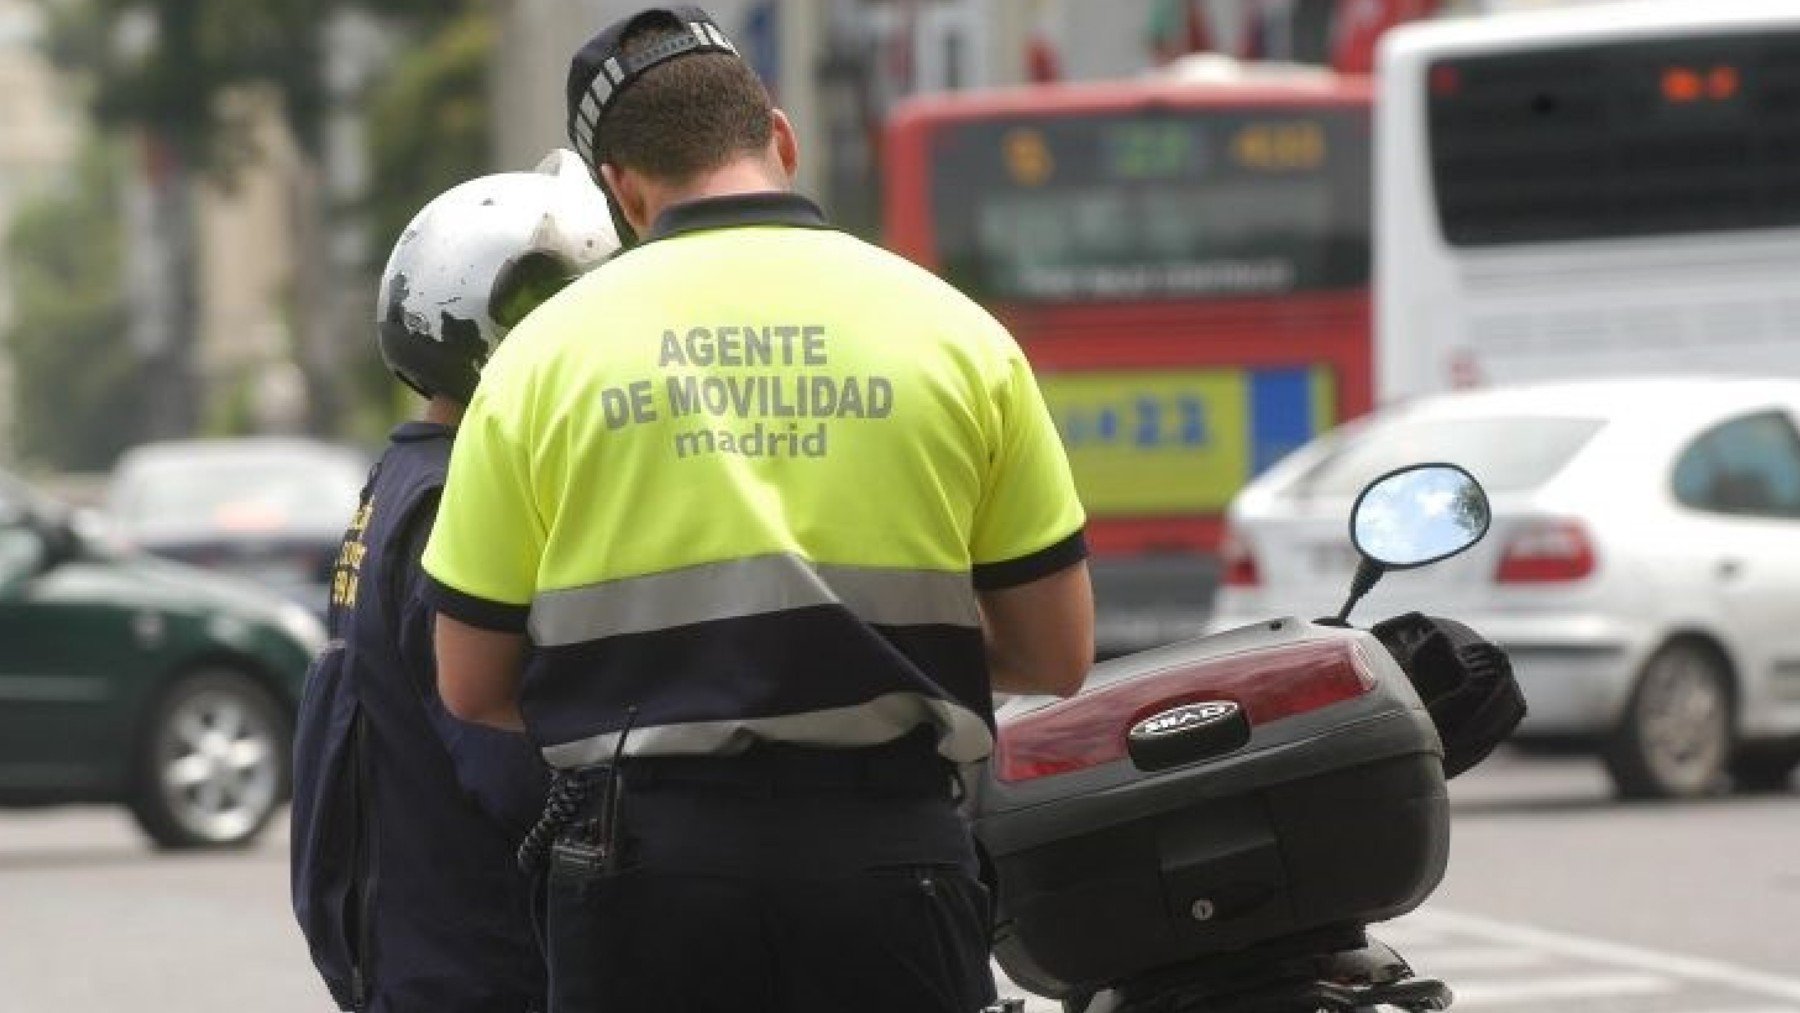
<point x="775" y="207"/>
<point x="419" y="429"/>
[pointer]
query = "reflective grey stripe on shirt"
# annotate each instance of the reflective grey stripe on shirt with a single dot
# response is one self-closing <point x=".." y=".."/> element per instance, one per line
<point x="887" y="596"/>
<point x="962" y="736"/>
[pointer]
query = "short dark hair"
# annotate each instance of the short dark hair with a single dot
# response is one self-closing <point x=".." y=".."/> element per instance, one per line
<point x="685" y="116"/>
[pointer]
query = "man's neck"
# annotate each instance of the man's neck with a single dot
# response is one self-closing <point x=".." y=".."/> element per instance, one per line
<point x="745" y="175"/>
<point x="443" y="411"/>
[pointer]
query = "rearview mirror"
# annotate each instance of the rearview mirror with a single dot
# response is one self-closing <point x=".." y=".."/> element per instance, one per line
<point x="1411" y="518"/>
<point x="1419" y="515"/>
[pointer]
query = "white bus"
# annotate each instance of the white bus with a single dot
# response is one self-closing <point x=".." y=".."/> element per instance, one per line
<point x="1597" y="191"/>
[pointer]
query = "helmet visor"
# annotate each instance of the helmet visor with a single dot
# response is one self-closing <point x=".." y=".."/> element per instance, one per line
<point x="525" y="283"/>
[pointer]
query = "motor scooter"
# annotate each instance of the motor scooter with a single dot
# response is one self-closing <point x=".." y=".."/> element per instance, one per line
<point x="1213" y="825"/>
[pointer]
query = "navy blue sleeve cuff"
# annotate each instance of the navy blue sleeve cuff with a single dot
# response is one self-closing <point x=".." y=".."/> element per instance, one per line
<point x="1025" y="569"/>
<point x="478" y="612"/>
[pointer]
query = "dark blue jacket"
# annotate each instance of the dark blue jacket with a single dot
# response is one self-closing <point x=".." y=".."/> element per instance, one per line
<point x="405" y="820"/>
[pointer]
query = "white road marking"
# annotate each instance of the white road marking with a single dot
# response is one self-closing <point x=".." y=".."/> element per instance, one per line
<point x="1407" y="934"/>
<point x="1581" y="986"/>
<point x="1435" y="963"/>
<point x="1445" y="944"/>
<point x="1700" y="969"/>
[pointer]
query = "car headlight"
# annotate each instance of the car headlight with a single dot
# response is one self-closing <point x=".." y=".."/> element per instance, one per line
<point x="298" y="622"/>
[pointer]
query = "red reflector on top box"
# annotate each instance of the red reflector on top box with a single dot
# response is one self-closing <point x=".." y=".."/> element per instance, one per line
<point x="1269" y="684"/>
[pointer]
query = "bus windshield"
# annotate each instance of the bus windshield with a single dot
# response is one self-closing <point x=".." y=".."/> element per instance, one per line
<point x="1153" y="204"/>
<point x="1617" y="139"/>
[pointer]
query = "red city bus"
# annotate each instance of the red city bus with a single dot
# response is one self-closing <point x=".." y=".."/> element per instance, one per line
<point x="1185" y="262"/>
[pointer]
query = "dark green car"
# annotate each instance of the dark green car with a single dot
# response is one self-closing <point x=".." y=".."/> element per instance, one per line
<point x="128" y="679"/>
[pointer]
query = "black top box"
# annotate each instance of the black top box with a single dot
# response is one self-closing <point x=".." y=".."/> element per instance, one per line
<point x="1208" y="797"/>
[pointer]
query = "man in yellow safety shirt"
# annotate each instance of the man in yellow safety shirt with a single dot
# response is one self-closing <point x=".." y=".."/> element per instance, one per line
<point x="777" y="512"/>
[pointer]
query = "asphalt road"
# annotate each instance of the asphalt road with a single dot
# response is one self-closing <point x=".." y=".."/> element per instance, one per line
<point x="1555" y="894"/>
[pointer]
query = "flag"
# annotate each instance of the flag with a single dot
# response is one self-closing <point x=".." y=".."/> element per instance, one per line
<point x="1043" y="65"/>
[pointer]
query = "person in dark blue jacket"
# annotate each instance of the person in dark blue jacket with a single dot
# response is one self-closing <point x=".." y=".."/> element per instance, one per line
<point x="406" y="820"/>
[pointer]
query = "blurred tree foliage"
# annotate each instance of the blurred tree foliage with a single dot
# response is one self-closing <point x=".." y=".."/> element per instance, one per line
<point x="156" y="71"/>
<point x="428" y="124"/>
<point x="164" y="63"/>
<point x="428" y="129"/>
<point x="79" y="395"/>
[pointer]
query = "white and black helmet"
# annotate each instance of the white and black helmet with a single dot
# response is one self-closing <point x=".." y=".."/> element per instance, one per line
<point x="478" y="258"/>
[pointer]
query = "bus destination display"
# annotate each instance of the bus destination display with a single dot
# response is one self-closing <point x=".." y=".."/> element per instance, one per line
<point x="1153" y="205"/>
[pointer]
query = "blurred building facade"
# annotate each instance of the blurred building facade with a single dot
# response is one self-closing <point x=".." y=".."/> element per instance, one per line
<point x="837" y="66"/>
<point x="245" y="356"/>
<point x="273" y="255"/>
<point x="856" y="58"/>
<point x="40" y="129"/>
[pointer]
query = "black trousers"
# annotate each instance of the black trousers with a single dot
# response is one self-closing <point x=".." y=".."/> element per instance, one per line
<point x="775" y="902"/>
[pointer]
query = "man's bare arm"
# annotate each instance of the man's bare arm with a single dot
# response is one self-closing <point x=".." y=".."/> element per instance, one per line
<point x="478" y="673"/>
<point x="1040" y="635"/>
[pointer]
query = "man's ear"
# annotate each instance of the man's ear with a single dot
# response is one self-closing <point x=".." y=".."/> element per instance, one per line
<point x="787" y="144"/>
<point x="628" y="191"/>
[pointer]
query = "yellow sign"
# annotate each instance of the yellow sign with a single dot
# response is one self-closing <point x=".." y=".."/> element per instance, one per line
<point x="1153" y="443"/>
<point x="1028" y="157"/>
<point x="1148" y="443"/>
<point x="1280" y="146"/>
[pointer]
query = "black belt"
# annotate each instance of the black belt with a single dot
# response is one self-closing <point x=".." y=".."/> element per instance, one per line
<point x="907" y="767"/>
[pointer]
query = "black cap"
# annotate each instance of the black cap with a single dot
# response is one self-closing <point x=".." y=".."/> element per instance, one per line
<point x="599" y="72"/>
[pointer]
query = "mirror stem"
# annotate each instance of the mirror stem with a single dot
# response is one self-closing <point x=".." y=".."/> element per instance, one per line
<point x="1368" y="573"/>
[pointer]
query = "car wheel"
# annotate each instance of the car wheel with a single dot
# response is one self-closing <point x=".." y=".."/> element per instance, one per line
<point x="1765" y="768"/>
<point x="213" y="764"/>
<point x="1676" y="735"/>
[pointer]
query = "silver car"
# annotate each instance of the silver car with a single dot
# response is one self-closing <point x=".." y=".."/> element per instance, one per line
<point x="270" y="509"/>
<point x="1643" y="571"/>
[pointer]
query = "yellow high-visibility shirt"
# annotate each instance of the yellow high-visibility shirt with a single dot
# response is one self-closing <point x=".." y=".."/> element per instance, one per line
<point x="746" y="478"/>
